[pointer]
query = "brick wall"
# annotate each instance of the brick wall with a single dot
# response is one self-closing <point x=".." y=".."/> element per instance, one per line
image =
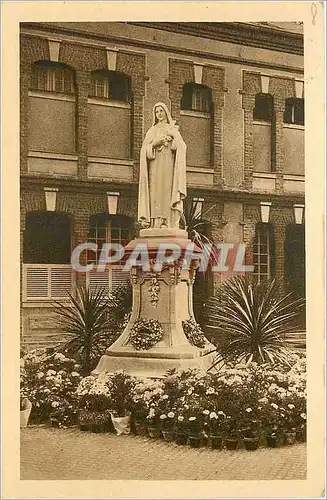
<point x="181" y="72"/>
<point x="280" y="89"/>
<point x="83" y="60"/>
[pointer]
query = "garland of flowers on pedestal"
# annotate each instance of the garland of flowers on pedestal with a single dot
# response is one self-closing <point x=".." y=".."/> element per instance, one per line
<point x="146" y="333"/>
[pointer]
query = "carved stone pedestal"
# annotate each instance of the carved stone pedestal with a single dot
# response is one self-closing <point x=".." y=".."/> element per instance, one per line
<point x="165" y="296"/>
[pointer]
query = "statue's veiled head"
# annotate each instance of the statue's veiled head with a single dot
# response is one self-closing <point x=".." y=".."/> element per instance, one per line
<point x="161" y="113"/>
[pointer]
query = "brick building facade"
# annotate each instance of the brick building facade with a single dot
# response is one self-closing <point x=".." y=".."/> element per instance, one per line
<point x="87" y="92"/>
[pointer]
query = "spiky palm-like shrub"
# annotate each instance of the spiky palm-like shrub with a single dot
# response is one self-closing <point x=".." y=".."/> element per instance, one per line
<point x="197" y="227"/>
<point x="87" y="322"/>
<point x="249" y="321"/>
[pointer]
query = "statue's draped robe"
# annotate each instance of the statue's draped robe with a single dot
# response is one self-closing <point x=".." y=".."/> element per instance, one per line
<point x="162" y="185"/>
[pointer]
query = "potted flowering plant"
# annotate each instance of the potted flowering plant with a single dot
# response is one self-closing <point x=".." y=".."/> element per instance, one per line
<point x="168" y="425"/>
<point x="217" y="428"/>
<point x="146" y="394"/>
<point x="121" y="387"/>
<point x="270" y="421"/>
<point x="190" y="419"/>
<point x="232" y="434"/>
<point x="289" y="416"/>
<point x="180" y="429"/>
<point x="94" y="403"/>
<point x="153" y="422"/>
<point x="249" y="427"/>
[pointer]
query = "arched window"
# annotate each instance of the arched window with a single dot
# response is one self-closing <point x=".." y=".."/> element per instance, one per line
<point x="52" y="113"/>
<point x="264" y="107"/>
<point x="110" y="85"/>
<point x="294" y="111"/>
<point x="49" y="76"/>
<point x="196" y="98"/>
<point x="47" y="238"/>
<point x="263" y="252"/>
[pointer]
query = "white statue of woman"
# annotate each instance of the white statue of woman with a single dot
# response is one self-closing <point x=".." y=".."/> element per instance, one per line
<point x="162" y="185"/>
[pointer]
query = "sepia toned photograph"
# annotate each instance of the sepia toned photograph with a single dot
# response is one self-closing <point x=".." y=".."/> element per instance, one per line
<point x="163" y="251"/>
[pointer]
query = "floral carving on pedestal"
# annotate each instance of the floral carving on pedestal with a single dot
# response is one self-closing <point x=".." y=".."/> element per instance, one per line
<point x="154" y="289"/>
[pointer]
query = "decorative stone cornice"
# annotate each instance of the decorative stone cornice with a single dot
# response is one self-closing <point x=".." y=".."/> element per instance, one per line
<point x="254" y="35"/>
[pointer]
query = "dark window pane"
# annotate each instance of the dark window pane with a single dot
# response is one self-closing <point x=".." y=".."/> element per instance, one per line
<point x="263" y="109"/>
<point x="294" y="111"/>
<point x="196" y="98"/>
<point x="47" y="238"/>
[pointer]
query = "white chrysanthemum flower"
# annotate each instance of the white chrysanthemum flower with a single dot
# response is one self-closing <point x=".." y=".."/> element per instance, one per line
<point x="191" y="419"/>
<point x="171" y="414"/>
<point x="248" y="410"/>
<point x="213" y="414"/>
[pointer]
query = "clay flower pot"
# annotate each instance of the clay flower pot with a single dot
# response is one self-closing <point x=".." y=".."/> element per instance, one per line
<point x="251" y="443"/>
<point x="216" y="442"/>
<point x="168" y="435"/>
<point x="289" y="438"/>
<point x="180" y="438"/>
<point x="272" y="441"/>
<point x="139" y="429"/>
<point x="231" y="443"/>
<point x="153" y="432"/>
<point x="194" y="441"/>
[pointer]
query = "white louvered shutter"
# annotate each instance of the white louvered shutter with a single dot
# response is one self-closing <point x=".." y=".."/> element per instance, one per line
<point x="118" y="278"/>
<point x="61" y="282"/>
<point x="37" y="283"/>
<point x="98" y="280"/>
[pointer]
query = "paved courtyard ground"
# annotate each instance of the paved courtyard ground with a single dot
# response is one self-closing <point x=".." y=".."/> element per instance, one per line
<point x="50" y="454"/>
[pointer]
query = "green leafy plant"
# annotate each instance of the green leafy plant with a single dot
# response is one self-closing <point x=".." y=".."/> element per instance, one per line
<point x="146" y="333"/>
<point x="87" y="320"/>
<point x="121" y="389"/>
<point x="250" y="320"/>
